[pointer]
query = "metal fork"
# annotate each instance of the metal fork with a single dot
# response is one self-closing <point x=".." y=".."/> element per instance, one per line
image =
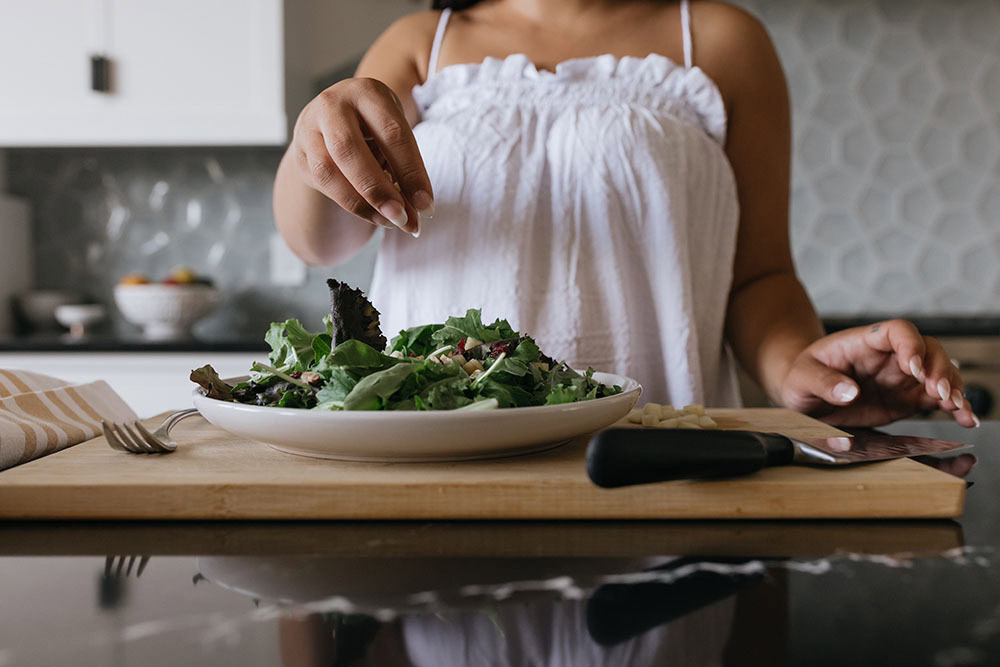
<point x="112" y="585"/>
<point x="135" y="438"/>
<point x="110" y="568"/>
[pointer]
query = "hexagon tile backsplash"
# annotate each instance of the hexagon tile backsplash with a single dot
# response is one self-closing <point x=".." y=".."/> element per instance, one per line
<point x="896" y="170"/>
<point x="102" y="213"/>
<point x="896" y="178"/>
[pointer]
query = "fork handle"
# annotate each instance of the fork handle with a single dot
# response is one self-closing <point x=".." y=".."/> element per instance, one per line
<point x="178" y="416"/>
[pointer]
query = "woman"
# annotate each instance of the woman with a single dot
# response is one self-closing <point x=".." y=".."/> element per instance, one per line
<point x="613" y="177"/>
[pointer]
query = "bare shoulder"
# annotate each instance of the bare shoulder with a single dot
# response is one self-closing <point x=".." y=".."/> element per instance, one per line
<point x="733" y="47"/>
<point x="405" y="43"/>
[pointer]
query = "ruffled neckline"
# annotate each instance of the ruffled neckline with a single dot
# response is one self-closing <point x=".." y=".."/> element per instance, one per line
<point x="654" y="72"/>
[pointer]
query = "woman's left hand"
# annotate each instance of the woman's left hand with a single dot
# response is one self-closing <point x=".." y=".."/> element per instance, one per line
<point x="873" y="375"/>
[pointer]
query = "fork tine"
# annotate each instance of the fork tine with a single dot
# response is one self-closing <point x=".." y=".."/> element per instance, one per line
<point x="131" y="562"/>
<point x="160" y="445"/>
<point x="134" y="445"/>
<point x="138" y="440"/>
<point x="112" y="439"/>
<point x="142" y="566"/>
<point x="123" y="439"/>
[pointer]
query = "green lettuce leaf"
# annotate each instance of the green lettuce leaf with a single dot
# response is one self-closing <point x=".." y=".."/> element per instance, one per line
<point x="291" y="346"/>
<point x="357" y="355"/>
<point x="563" y="393"/>
<point x="446" y="394"/>
<point x="526" y="351"/>
<point x="471" y="326"/>
<point x="337" y="387"/>
<point x="372" y="391"/>
<point x="417" y="341"/>
<point x="508" y="395"/>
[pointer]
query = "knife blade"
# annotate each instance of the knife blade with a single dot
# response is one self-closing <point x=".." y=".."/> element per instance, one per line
<point x="625" y="456"/>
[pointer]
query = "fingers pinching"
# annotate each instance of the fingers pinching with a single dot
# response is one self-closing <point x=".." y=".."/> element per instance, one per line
<point x="385" y="120"/>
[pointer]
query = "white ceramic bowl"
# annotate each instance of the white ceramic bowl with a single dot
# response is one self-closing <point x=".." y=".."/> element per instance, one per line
<point x="78" y="318"/>
<point x="165" y="312"/>
<point x="414" y="436"/>
<point x="39" y="306"/>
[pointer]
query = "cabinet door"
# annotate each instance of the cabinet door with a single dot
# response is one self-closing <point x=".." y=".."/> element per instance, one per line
<point x="183" y="72"/>
<point x="44" y="68"/>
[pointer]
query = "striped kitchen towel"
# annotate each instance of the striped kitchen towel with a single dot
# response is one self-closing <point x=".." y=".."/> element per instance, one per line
<point x="40" y="414"/>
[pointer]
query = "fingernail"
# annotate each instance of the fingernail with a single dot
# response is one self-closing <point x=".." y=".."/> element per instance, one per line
<point x="956" y="398"/>
<point x="976" y="420"/>
<point x="424" y="203"/>
<point x="395" y="212"/>
<point x="416" y="234"/>
<point x="845" y="391"/>
<point x="917" y="368"/>
<point x="381" y="221"/>
<point x="944" y="389"/>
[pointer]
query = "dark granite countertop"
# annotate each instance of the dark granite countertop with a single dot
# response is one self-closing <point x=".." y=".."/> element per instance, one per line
<point x="514" y="593"/>
<point x="929" y="325"/>
<point x="110" y="343"/>
<point x="932" y="326"/>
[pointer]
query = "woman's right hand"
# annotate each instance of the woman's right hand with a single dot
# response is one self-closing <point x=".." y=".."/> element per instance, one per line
<point x="347" y="138"/>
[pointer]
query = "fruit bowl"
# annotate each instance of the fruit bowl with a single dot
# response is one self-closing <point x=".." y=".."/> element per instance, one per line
<point x="165" y="311"/>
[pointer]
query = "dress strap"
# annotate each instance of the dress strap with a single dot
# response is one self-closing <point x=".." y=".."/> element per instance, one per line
<point x="686" y="32"/>
<point x="432" y="65"/>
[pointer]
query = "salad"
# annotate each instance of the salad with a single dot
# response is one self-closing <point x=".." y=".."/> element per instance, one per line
<point x="461" y="364"/>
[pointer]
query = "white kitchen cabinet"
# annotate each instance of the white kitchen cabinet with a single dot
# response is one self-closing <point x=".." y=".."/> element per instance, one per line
<point x="150" y="382"/>
<point x="184" y="72"/>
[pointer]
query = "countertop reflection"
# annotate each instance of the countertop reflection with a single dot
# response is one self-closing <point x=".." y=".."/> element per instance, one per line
<point x="511" y="593"/>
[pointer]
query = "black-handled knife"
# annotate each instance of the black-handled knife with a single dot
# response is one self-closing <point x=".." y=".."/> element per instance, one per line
<point x="625" y="456"/>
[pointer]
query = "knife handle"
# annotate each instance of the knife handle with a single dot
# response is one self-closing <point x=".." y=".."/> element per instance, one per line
<point x="626" y="456"/>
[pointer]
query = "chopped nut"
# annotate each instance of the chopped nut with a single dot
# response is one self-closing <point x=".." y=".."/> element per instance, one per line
<point x="707" y="422"/>
<point x="310" y="377"/>
<point x="473" y="365"/>
<point x="635" y="416"/>
<point x="668" y="412"/>
<point x="650" y="420"/>
<point x="695" y="408"/>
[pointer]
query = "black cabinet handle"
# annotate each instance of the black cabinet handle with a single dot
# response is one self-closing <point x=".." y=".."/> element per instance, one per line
<point x="100" y="74"/>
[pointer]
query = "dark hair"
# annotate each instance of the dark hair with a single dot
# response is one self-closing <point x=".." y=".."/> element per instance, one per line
<point x="453" y="4"/>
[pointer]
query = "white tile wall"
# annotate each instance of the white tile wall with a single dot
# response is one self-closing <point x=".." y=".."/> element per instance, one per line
<point x="896" y="107"/>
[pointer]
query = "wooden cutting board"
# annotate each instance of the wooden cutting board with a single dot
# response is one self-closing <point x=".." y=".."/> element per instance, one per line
<point x="214" y="475"/>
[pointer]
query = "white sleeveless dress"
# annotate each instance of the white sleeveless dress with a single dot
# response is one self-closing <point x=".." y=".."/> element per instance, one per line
<point x="593" y="207"/>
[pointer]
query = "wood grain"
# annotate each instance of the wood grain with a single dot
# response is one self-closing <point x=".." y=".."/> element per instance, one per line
<point x="214" y="475"/>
